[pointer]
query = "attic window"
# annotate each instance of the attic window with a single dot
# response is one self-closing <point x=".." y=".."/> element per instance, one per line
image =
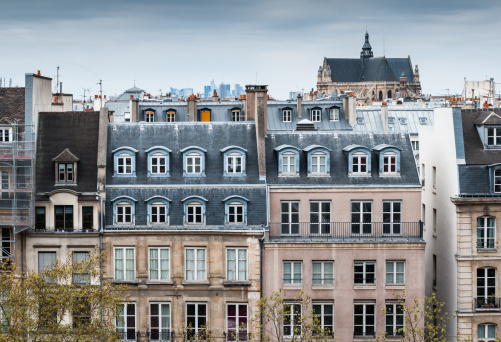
<point x="150" y="116"/>
<point x="403" y="121"/>
<point x="494" y="136"/>
<point x="5" y="134"/>
<point x="286" y="115"/>
<point x="360" y="121"/>
<point x="170" y="116"/>
<point x="66" y="167"/>
<point x="391" y="120"/>
<point x="423" y="120"/>
<point x="237" y="115"/>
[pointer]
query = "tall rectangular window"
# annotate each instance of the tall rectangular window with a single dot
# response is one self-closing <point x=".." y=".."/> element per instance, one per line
<point x="64" y="217"/>
<point x="150" y="116"/>
<point x="196" y="320"/>
<point x="88" y="218"/>
<point x="395" y="272"/>
<point x="334" y="114"/>
<point x="361" y="217"/>
<point x="290" y="217"/>
<point x="486" y="232"/>
<point x="364" y="319"/>
<point x="434" y="221"/>
<point x="324" y="313"/>
<point x="292" y="319"/>
<point x="323" y="272"/>
<point x="158" y="213"/>
<point x="124" y="164"/>
<point x="40" y="218"/>
<point x="81" y="277"/>
<point x="292" y="272"/>
<point x="194" y="163"/>
<point x="160" y="328"/>
<point x="365" y="272"/>
<point x="236" y="213"/>
<point x="237" y="115"/>
<point x="170" y="117"/>
<point x="126" y="321"/>
<point x="316" y="115"/>
<point x="194" y="213"/>
<point x="493" y="136"/>
<point x="5" y="135"/>
<point x="434" y="177"/>
<point x="234" y="163"/>
<point x="392" y="213"/>
<point x="236" y="322"/>
<point x="158" y="164"/>
<point x="394" y="315"/>
<point x="159" y="263"/>
<point x="286" y="115"/>
<point x="65" y="172"/>
<point x="46" y="260"/>
<point x="125" y="263"/>
<point x="195" y="264"/>
<point x="124" y="213"/>
<point x="81" y="313"/>
<point x="320" y="217"/>
<point x="236" y="264"/>
<point x="288" y="163"/>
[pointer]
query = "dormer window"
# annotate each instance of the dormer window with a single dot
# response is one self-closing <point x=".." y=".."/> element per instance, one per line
<point x="359" y="160"/>
<point x="389" y="160"/>
<point x="334" y="114"/>
<point x="497" y="181"/>
<point x="391" y="120"/>
<point x="316" y="115"/>
<point x="236" y="210"/>
<point x="158" y="161"/>
<point x="403" y="121"/>
<point x="66" y="167"/>
<point x="158" y="210"/>
<point x="234" y="160"/>
<point x="149" y="116"/>
<point x="286" y="115"/>
<point x="194" y="210"/>
<point x="423" y="120"/>
<point x="193" y="161"/>
<point x="318" y="160"/>
<point x="390" y="163"/>
<point x="124" y="210"/>
<point x="5" y="134"/>
<point x="494" y="136"/>
<point x="237" y="115"/>
<point x="170" y="115"/>
<point x="124" y="161"/>
<point x="288" y="160"/>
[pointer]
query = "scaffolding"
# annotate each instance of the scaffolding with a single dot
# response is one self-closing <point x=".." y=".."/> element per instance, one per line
<point x="17" y="196"/>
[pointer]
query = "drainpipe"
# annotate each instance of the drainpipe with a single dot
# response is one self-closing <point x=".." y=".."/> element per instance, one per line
<point x="101" y="250"/>
<point x="22" y="256"/>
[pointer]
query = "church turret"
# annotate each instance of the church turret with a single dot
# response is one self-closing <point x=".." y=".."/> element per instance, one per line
<point x="366" y="49"/>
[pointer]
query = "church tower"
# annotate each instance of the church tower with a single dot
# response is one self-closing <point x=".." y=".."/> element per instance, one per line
<point x="366" y="49"/>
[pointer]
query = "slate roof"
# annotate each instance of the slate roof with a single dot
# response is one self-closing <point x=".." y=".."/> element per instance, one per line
<point x="12" y="104"/>
<point x="339" y="159"/>
<point x="373" y="69"/>
<point x="125" y="96"/>
<point x="372" y="121"/>
<point x="76" y="131"/>
<point x="473" y="147"/>
<point x="474" y="179"/>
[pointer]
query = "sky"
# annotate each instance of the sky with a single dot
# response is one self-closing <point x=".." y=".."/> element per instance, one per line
<point x="185" y="44"/>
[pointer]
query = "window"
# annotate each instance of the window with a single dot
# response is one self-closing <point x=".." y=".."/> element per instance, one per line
<point x="64" y="217"/>
<point x="196" y="319"/>
<point x="81" y="278"/>
<point x="81" y="313"/>
<point x="288" y="160"/>
<point x="194" y="163"/>
<point x="434" y="177"/>
<point x="359" y="163"/>
<point x="415" y="145"/>
<point x="318" y="163"/>
<point x="5" y="134"/>
<point x="497" y="181"/>
<point x="315" y="115"/>
<point x="194" y="213"/>
<point x="234" y="163"/>
<point x="236" y="264"/>
<point x="160" y="322"/>
<point x="170" y="116"/>
<point x="5" y="184"/>
<point x="158" y="213"/>
<point x="320" y="217"/>
<point x="124" y="164"/>
<point x="126" y="321"/>
<point x="395" y="272"/>
<point x="124" y="213"/>
<point x="493" y="136"/>
<point x="46" y="260"/>
<point x="292" y="272"/>
<point x="361" y="217"/>
<point x="334" y="114"/>
<point x="287" y="115"/>
<point x="88" y="218"/>
<point x="360" y="121"/>
<point x="392" y="212"/>
<point x="234" y="160"/>
<point x="124" y="161"/>
<point x="149" y="116"/>
<point x="290" y="217"/>
<point x="292" y="319"/>
<point x="236" y="322"/>
<point x="195" y="264"/>
<point x="364" y="319"/>
<point x="288" y="163"/>
<point x="65" y="173"/>
<point x="434" y="221"/>
<point x="237" y="115"/>
<point x="403" y="121"/>
<point x="40" y="218"/>
<point x="125" y="263"/>
<point x="486" y="232"/>
<point x="394" y="314"/>
<point x="365" y="272"/>
<point x="158" y="164"/>
<point x="235" y="213"/>
<point x="390" y="163"/>
<point x="159" y="263"/>
<point x="486" y="333"/>
<point x="324" y="313"/>
<point x="323" y="272"/>
<point x="423" y="120"/>
<point x="486" y="287"/>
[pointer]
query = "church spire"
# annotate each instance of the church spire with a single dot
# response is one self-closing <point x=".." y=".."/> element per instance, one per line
<point x="366" y="49"/>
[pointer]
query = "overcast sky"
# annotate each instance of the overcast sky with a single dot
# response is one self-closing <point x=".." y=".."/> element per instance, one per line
<point x="166" y="43"/>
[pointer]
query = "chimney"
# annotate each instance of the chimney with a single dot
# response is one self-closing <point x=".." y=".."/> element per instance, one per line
<point x="101" y="151"/>
<point x="192" y="108"/>
<point x="134" y="110"/>
<point x="350" y="112"/>
<point x="299" y="106"/>
<point x="214" y="96"/>
<point x="384" y="115"/>
<point x="257" y="103"/>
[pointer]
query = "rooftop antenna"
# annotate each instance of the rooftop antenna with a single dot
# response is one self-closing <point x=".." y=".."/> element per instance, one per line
<point x="384" y="48"/>
<point x="134" y="80"/>
<point x="100" y="92"/>
<point x="57" y="79"/>
<point x="256" y="77"/>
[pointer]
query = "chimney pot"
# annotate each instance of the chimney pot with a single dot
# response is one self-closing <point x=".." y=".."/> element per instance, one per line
<point x="38" y="73"/>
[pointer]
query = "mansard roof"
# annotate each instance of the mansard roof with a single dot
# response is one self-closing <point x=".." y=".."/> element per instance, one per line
<point x="12" y="104"/>
<point x="369" y="69"/>
<point x="474" y="150"/>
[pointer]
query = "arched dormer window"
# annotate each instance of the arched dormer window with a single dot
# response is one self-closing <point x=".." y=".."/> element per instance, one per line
<point x="288" y="160"/>
<point x="318" y="160"/>
<point x="193" y="161"/>
<point x="389" y="160"/>
<point x="359" y="160"/>
<point x="158" y="161"/>
<point x="234" y="160"/>
<point x="158" y="210"/>
<point x="124" y="159"/>
<point x="194" y="210"/>
<point x="334" y="114"/>
<point x="287" y="114"/>
<point x="124" y="210"/>
<point x="235" y="210"/>
<point x="316" y="114"/>
<point x="149" y="115"/>
<point x="170" y="115"/>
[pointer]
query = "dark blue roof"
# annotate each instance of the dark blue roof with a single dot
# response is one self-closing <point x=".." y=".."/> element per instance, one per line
<point x="373" y="69"/>
<point x="474" y="179"/>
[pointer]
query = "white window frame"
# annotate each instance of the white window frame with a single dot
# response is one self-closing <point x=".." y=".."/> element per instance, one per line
<point x="192" y="218"/>
<point x="392" y="272"/>
<point x="196" y="328"/>
<point x="289" y="163"/>
<point x="194" y="271"/>
<point x="291" y="319"/>
<point x="362" y="223"/>
<point x="6" y="134"/>
<point x="486" y="297"/>
<point x="390" y="160"/>
<point x="356" y="161"/>
<point x="292" y="279"/>
<point x="392" y="218"/>
<point x="235" y="334"/>
<point x="195" y="159"/>
<point x="162" y="331"/>
<point x="287" y="115"/>
<point x="334" y="114"/>
<point x="234" y="159"/>
<point x="121" y="213"/>
<point x="497" y="181"/>
<point x="237" y="115"/>
<point x="155" y="264"/>
<point x="240" y="264"/>
<point x="322" y="279"/>
<point x="365" y="315"/>
<point x="122" y="160"/>
<point x="170" y="116"/>
<point x="235" y="206"/>
<point x="316" y="115"/>
<point x="316" y="161"/>
<point x="365" y="273"/>
<point x="290" y="217"/>
<point x="488" y="240"/>
<point x="125" y="328"/>
<point x="161" y="161"/>
<point x="149" y="116"/>
<point x="485" y="328"/>
<point x="125" y="271"/>
<point x="320" y="226"/>
<point x="322" y="315"/>
<point x="394" y="310"/>
<point x="496" y="134"/>
<point x="415" y="145"/>
<point x="161" y="218"/>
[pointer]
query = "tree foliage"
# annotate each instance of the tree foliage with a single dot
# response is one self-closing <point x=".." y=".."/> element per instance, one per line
<point x="63" y="302"/>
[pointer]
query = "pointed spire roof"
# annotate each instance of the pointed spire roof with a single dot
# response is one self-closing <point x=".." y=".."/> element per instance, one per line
<point x="366" y="48"/>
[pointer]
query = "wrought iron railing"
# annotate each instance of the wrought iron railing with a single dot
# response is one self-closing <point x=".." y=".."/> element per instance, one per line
<point x="487" y="303"/>
<point x="63" y="230"/>
<point x="348" y="230"/>
<point x="233" y="336"/>
<point x="128" y="336"/>
<point x="161" y="336"/>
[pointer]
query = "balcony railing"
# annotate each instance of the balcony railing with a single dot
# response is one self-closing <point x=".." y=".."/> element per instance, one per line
<point x="348" y="231"/>
<point x="487" y="303"/>
<point x="63" y="230"/>
<point x="160" y="336"/>
<point x="236" y="336"/>
<point x="128" y="336"/>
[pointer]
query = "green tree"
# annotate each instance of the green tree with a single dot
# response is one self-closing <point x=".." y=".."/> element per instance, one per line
<point x="63" y="302"/>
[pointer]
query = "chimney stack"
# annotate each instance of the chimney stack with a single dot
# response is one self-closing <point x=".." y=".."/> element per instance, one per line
<point x="192" y="108"/>
<point x="350" y="112"/>
<point x="134" y="110"/>
<point x="257" y="104"/>
<point x="299" y="106"/>
<point x="101" y="152"/>
<point x="384" y="115"/>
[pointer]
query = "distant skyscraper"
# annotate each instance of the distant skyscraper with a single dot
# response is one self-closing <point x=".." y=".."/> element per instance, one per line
<point x="207" y="91"/>
<point x="224" y="90"/>
<point x="174" y="91"/>
<point x="238" y="90"/>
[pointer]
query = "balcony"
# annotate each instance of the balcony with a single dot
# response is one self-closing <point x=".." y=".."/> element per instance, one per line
<point x="62" y="230"/>
<point x="160" y="336"/>
<point x="236" y="336"/>
<point x="128" y="336"/>
<point x="347" y="232"/>
<point x="487" y="304"/>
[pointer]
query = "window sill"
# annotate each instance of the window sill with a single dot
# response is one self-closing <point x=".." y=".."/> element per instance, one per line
<point x="127" y="175"/>
<point x="126" y="282"/>
<point x="159" y="282"/>
<point x="389" y="175"/>
<point x="487" y="250"/>
<point x="236" y="283"/>
<point x="395" y="286"/>
<point x="66" y="184"/>
<point x="193" y="176"/>
<point x="159" y="175"/>
<point x="364" y="286"/>
<point x="318" y="175"/>
<point x="359" y="175"/>
<point x="288" y="175"/>
<point x="195" y="282"/>
<point x="242" y="174"/>
<point x="322" y="286"/>
<point x="293" y="286"/>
